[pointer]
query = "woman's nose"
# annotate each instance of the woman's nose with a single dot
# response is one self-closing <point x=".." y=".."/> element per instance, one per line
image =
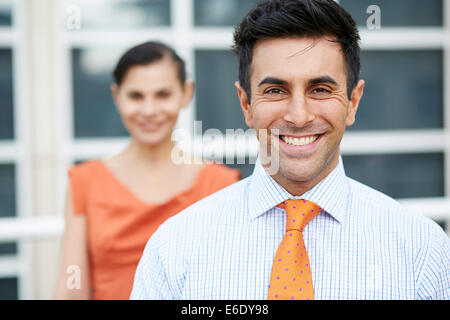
<point x="149" y="107"/>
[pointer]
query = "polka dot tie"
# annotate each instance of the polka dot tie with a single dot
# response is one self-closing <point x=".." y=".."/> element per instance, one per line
<point x="291" y="271"/>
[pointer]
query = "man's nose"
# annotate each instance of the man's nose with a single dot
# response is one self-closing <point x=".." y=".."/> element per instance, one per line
<point x="299" y="111"/>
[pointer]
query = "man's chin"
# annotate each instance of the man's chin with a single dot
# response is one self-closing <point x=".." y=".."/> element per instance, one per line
<point x="298" y="173"/>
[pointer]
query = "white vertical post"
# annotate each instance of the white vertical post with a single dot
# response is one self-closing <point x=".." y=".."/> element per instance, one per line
<point x="182" y="28"/>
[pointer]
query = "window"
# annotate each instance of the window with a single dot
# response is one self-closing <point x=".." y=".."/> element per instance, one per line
<point x="94" y="112"/>
<point x="123" y="14"/>
<point x="5" y="12"/>
<point x="398" y="13"/>
<point x="404" y="83"/>
<point x="404" y="90"/>
<point x="217" y="101"/>
<point x="6" y="95"/>
<point x="11" y="258"/>
<point x="399" y="175"/>
<point x="220" y="13"/>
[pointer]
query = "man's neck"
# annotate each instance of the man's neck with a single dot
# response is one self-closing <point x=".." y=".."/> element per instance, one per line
<point x="298" y="187"/>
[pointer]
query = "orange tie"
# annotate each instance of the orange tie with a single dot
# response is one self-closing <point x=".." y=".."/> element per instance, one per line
<point x="291" y="272"/>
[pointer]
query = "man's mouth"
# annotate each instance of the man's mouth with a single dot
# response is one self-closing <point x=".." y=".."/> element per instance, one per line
<point x="299" y="141"/>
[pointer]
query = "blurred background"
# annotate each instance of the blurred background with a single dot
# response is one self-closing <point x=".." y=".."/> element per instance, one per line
<point x="56" y="59"/>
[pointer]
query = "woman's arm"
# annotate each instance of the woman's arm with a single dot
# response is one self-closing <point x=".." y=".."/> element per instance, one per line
<point x="74" y="275"/>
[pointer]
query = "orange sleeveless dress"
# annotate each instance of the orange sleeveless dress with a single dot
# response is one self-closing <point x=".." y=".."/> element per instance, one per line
<point x="119" y="224"/>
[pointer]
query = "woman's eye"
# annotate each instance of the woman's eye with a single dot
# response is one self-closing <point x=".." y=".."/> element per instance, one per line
<point x="163" y="94"/>
<point x="135" y="95"/>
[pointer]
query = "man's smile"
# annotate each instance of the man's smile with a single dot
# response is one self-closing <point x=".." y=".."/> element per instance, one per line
<point x="299" y="141"/>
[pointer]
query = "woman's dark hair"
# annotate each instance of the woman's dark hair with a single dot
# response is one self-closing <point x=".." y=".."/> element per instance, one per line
<point x="297" y="18"/>
<point x="144" y="54"/>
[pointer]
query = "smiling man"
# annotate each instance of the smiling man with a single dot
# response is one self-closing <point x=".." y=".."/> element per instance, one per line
<point x="305" y="231"/>
<point x="299" y="86"/>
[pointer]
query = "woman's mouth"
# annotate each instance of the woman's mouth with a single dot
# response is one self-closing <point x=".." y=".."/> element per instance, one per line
<point x="149" y="127"/>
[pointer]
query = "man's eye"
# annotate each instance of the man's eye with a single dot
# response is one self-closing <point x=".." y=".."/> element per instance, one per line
<point x="274" y="91"/>
<point x="321" y="90"/>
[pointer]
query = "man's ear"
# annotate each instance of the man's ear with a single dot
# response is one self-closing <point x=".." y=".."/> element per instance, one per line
<point x="245" y="106"/>
<point x="357" y="94"/>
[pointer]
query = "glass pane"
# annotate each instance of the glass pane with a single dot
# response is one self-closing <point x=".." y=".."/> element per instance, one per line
<point x="221" y="12"/>
<point x="216" y="97"/>
<point x="5" y="12"/>
<point x="95" y="114"/>
<point x="404" y="90"/>
<point x="399" y="176"/>
<point x="7" y="191"/>
<point x="8" y="289"/>
<point x="6" y="95"/>
<point x="8" y="248"/>
<point x="396" y="13"/>
<point x="116" y="14"/>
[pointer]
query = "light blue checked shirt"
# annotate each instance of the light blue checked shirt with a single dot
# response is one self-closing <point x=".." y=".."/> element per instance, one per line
<point x="363" y="246"/>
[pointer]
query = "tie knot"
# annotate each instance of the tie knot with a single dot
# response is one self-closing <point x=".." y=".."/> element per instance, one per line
<point x="299" y="213"/>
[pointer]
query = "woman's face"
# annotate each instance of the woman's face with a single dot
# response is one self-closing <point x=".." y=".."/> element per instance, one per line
<point x="149" y="100"/>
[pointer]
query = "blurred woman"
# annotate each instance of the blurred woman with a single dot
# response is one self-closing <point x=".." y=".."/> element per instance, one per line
<point x="114" y="205"/>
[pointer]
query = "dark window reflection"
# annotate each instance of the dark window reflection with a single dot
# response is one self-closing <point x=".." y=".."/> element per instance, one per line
<point x="221" y="12"/>
<point x="7" y="190"/>
<point x="95" y="114"/>
<point x="399" y="175"/>
<point x="8" y="248"/>
<point x="216" y="97"/>
<point x="120" y="14"/>
<point x="404" y="90"/>
<point x="397" y="13"/>
<point x="7" y="202"/>
<point x="5" y="12"/>
<point x="8" y="288"/>
<point x="6" y="95"/>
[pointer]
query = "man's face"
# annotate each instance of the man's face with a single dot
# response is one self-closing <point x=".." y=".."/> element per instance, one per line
<point x="298" y="86"/>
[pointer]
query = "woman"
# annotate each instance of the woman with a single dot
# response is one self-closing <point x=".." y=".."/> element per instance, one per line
<point x="114" y="205"/>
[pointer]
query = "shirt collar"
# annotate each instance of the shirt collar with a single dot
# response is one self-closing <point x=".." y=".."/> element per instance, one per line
<point x="330" y="194"/>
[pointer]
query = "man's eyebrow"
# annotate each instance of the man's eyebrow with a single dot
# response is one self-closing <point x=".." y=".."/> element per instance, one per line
<point x="271" y="80"/>
<point x="323" y="79"/>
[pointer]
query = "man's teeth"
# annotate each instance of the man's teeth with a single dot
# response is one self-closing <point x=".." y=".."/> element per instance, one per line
<point x="299" y="141"/>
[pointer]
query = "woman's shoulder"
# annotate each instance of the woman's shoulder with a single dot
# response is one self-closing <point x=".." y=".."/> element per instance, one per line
<point x="81" y="176"/>
<point x="86" y="167"/>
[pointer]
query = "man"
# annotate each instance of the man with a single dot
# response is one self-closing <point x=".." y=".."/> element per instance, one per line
<point x="305" y="231"/>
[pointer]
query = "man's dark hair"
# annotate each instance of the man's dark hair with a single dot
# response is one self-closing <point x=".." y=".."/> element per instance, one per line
<point x="144" y="54"/>
<point x="297" y="18"/>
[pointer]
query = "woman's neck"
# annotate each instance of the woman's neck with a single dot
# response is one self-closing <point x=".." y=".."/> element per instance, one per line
<point x="158" y="156"/>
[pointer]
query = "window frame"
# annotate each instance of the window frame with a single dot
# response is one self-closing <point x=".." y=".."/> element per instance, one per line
<point x="186" y="38"/>
<point x="17" y="150"/>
